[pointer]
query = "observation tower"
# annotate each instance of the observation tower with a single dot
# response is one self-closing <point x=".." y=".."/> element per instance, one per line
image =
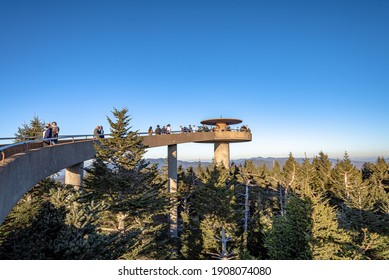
<point x="224" y="135"/>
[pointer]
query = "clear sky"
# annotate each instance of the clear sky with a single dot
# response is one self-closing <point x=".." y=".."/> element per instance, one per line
<point x="305" y="76"/>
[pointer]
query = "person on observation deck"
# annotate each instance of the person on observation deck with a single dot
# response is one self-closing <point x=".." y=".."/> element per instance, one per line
<point x="168" y="129"/>
<point x="55" y="132"/>
<point x="47" y="134"/>
<point x="101" y="133"/>
<point x="150" y="131"/>
<point x="184" y="129"/>
<point x="158" y="130"/>
<point x="96" y="133"/>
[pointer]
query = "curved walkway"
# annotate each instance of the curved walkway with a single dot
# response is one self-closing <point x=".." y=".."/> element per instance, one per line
<point x="23" y="169"/>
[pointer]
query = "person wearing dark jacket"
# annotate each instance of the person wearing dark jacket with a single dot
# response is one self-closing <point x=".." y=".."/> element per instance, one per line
<point x="101" y="131"/>
<point x="158" y="130"/>
<point x="47" y="133"/>
<point x="55" y="132"/>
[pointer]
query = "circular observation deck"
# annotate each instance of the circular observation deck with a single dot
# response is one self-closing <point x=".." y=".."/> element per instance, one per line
<point x="221" y="124"/>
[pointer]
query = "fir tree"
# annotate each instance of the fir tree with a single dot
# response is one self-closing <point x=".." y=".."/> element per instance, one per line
<point x="254" y="201"/>
<point x="343" y="177"/>
<point x="213" y="200"/>
<point x="328" y="241"/>
<point x="60" y="227"/>
<point x="369" y="245"/>
<point x="30" y="131"/>
<point x="321" y="173"/>
<point x="285" y="180"/>
<point x="190" y="234"/>
<point x="136" y="199"/>
<point x="289" y="173"/>
<point x="305" y="178"/>
<point x="290" y="235"/>
<point x="379" y="174"/>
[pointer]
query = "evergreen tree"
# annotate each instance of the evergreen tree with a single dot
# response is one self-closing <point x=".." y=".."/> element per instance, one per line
<point x="255" y="201"/>
<point x="290" y="235"/>
<point x="213" y="203"/>
<point x="379" y="174"/>
<point x="210" y="227"/>
<point x="135" y="198"/>
<point x="360" y="211"/>
<point x="322" y="173"/>
<point x="25" y="211"/>
<point x="190" y="234"/>
<point x="30" y="131"/>
<point x="277" y="185"/>
<point x="305" y="178"/>
<point x="285" y="180"/>
<point x="344" y="176"/>
<point x="59" y="226"/>
<point x="369" y="245"/>
<point x="299" y="211"/>
<point x="328" y="241"/>
<point x="289" y="173"/>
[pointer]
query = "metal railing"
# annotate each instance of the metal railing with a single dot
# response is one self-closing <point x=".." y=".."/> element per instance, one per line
<point x="37" y="139"/>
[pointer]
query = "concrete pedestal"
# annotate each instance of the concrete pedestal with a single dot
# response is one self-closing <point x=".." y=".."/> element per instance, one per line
<point x="74" y="175"/>
<point x="172" y="189"/>
<point x="222" y="153"/>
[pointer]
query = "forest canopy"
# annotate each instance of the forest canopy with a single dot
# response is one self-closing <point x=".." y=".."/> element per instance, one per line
<point x="309" y="210"/>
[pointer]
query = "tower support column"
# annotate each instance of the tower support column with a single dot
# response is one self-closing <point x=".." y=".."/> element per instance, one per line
<point x="172" y="189"/>
<point x="74" y="175"/>
<point x="222" y="153"/>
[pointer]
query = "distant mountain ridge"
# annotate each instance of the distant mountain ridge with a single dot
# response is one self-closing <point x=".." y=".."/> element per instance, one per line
<point x="268" y="161"/>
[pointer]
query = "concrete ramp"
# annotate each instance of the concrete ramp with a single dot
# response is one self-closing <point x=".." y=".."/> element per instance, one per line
<point x="22" y="170"/>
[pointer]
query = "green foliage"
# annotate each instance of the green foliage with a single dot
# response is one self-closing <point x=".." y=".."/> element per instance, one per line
<point x="135" y="198"/>
<point x="61" y="228"/>
<point x="30" y="131"/>
<point x="120" y="214"/>
<point x="290" y="235"/>
<point x="321" y="173"/>
<point x="299" y="210"/>
<point x="345" y="176"/>
<point x="328" y="241"/>
<point x="210" y="227"/>
<point x="369" y="245"/>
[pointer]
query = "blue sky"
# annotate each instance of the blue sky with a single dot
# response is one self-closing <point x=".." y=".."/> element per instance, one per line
<point x="305" y="76"/>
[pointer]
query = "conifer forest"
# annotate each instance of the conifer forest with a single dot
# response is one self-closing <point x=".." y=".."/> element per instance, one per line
<point x="314" y="210"/>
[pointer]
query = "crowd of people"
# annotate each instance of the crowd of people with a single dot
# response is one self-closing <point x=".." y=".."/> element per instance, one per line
<point x="193" y="128"/>
<point x="166" y="129"/>
<point x="50" y="131"/>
